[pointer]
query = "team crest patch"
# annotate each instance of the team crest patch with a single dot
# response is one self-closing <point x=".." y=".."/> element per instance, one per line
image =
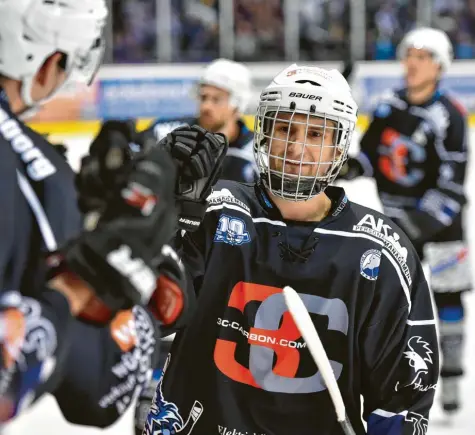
<point x="232" y="231"/>
<point x="383" y="110"/>
<point x="369" y="264"/>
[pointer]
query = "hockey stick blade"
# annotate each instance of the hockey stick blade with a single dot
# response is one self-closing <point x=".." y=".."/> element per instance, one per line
<point x="309" y="333"/>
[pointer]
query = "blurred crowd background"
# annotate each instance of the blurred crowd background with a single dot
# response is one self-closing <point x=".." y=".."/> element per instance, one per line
<point x="144" y="31"/>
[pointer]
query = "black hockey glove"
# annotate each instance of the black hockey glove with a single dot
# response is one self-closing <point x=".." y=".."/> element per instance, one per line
<point x="199" y="156"/>
<point x="126" y="227"/>
<point x="107" y="165"/>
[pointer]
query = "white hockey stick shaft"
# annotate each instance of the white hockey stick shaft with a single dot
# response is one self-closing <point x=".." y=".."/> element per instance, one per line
<point x="309" y="333"/>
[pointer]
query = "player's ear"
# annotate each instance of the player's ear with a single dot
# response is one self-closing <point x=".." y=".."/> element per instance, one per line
<point x="49" y="77"/>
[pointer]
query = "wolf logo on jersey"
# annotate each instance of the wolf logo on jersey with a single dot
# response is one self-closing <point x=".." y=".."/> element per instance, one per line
<point x="164" y="417"/>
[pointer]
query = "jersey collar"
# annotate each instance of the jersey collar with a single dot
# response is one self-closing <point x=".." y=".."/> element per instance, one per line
<point x="431" y="100"/>
<point x="336" y="194"/>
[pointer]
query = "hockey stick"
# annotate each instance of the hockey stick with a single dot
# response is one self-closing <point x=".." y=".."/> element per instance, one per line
<point x="310" y="335"/>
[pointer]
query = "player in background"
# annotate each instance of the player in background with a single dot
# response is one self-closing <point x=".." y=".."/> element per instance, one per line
<point x="240" y="365"/>
<point x="223" y="92"/>
<point x="78" y="298"/>
<point x="416" y="150"/>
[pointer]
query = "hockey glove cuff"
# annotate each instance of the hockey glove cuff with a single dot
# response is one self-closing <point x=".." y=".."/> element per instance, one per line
<point x="118" y="253"/>
<point x="172" y="300"/>
<point x="120" y="271"/>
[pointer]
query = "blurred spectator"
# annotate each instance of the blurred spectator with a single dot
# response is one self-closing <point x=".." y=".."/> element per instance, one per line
<point x="389" y="20"/>
<point x="194" y="30"/>
<point x="134" y="24"/>
<point x="324" y="29"/>
<point x="259" y="28"/>
<point x="199" y="30"/>
<point x="464" y="44"/>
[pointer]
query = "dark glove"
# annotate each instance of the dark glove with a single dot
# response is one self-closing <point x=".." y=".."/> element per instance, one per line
<point x="350" y="170"/>
<point x="107" y="165"/>
<point x="199" y="155"/>
<point x="119" y="252"/>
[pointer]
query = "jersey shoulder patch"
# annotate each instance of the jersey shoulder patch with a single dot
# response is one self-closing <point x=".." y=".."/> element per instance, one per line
<point x="383" y="231"/>
<point x="232" y="196"/>
<point x="388" y="100"/>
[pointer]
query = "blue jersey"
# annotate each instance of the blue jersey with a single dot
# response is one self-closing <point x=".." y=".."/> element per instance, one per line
<point x="87" y="368"/>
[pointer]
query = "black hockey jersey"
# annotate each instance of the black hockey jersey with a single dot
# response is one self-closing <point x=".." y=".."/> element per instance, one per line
<point x="85" y="366"/>
<point x="239" y="164"/>
<point x="241" y="366"/>
<point x="418" y="155"/>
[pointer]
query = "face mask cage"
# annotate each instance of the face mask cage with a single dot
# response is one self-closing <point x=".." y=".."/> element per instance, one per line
<point x="299" y="153"/>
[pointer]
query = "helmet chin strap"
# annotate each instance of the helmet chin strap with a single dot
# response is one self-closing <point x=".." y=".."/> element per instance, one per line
<point x="292" y="189"/>
<point x="33" y="107"/>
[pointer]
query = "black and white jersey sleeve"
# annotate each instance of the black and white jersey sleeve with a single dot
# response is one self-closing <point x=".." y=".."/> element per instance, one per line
<point x="443" y="202"/>
<point x="107" y="367"/>
<point x="400" y="352"/>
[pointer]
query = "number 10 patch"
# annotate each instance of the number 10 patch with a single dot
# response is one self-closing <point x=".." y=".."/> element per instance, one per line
<point x="231" y="230"/>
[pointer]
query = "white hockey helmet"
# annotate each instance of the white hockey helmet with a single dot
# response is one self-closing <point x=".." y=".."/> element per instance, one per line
<point x="315" y="93"/>
<point x="33" y="30"/>
<point x="232" y="77"/>
<point x="434" y="41"/>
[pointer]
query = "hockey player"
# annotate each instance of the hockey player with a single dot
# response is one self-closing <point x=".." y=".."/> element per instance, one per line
<point x="223" y="91"/>
<point x="416" y="150"/>
<point x="53" y="273"/>
<point x="240" y="366"/>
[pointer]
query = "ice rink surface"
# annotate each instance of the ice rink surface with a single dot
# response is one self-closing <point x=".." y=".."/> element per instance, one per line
<point x="45" y="419"/>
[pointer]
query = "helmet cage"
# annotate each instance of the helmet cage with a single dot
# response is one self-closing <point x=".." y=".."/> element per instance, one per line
<point x="272" y="167"/>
